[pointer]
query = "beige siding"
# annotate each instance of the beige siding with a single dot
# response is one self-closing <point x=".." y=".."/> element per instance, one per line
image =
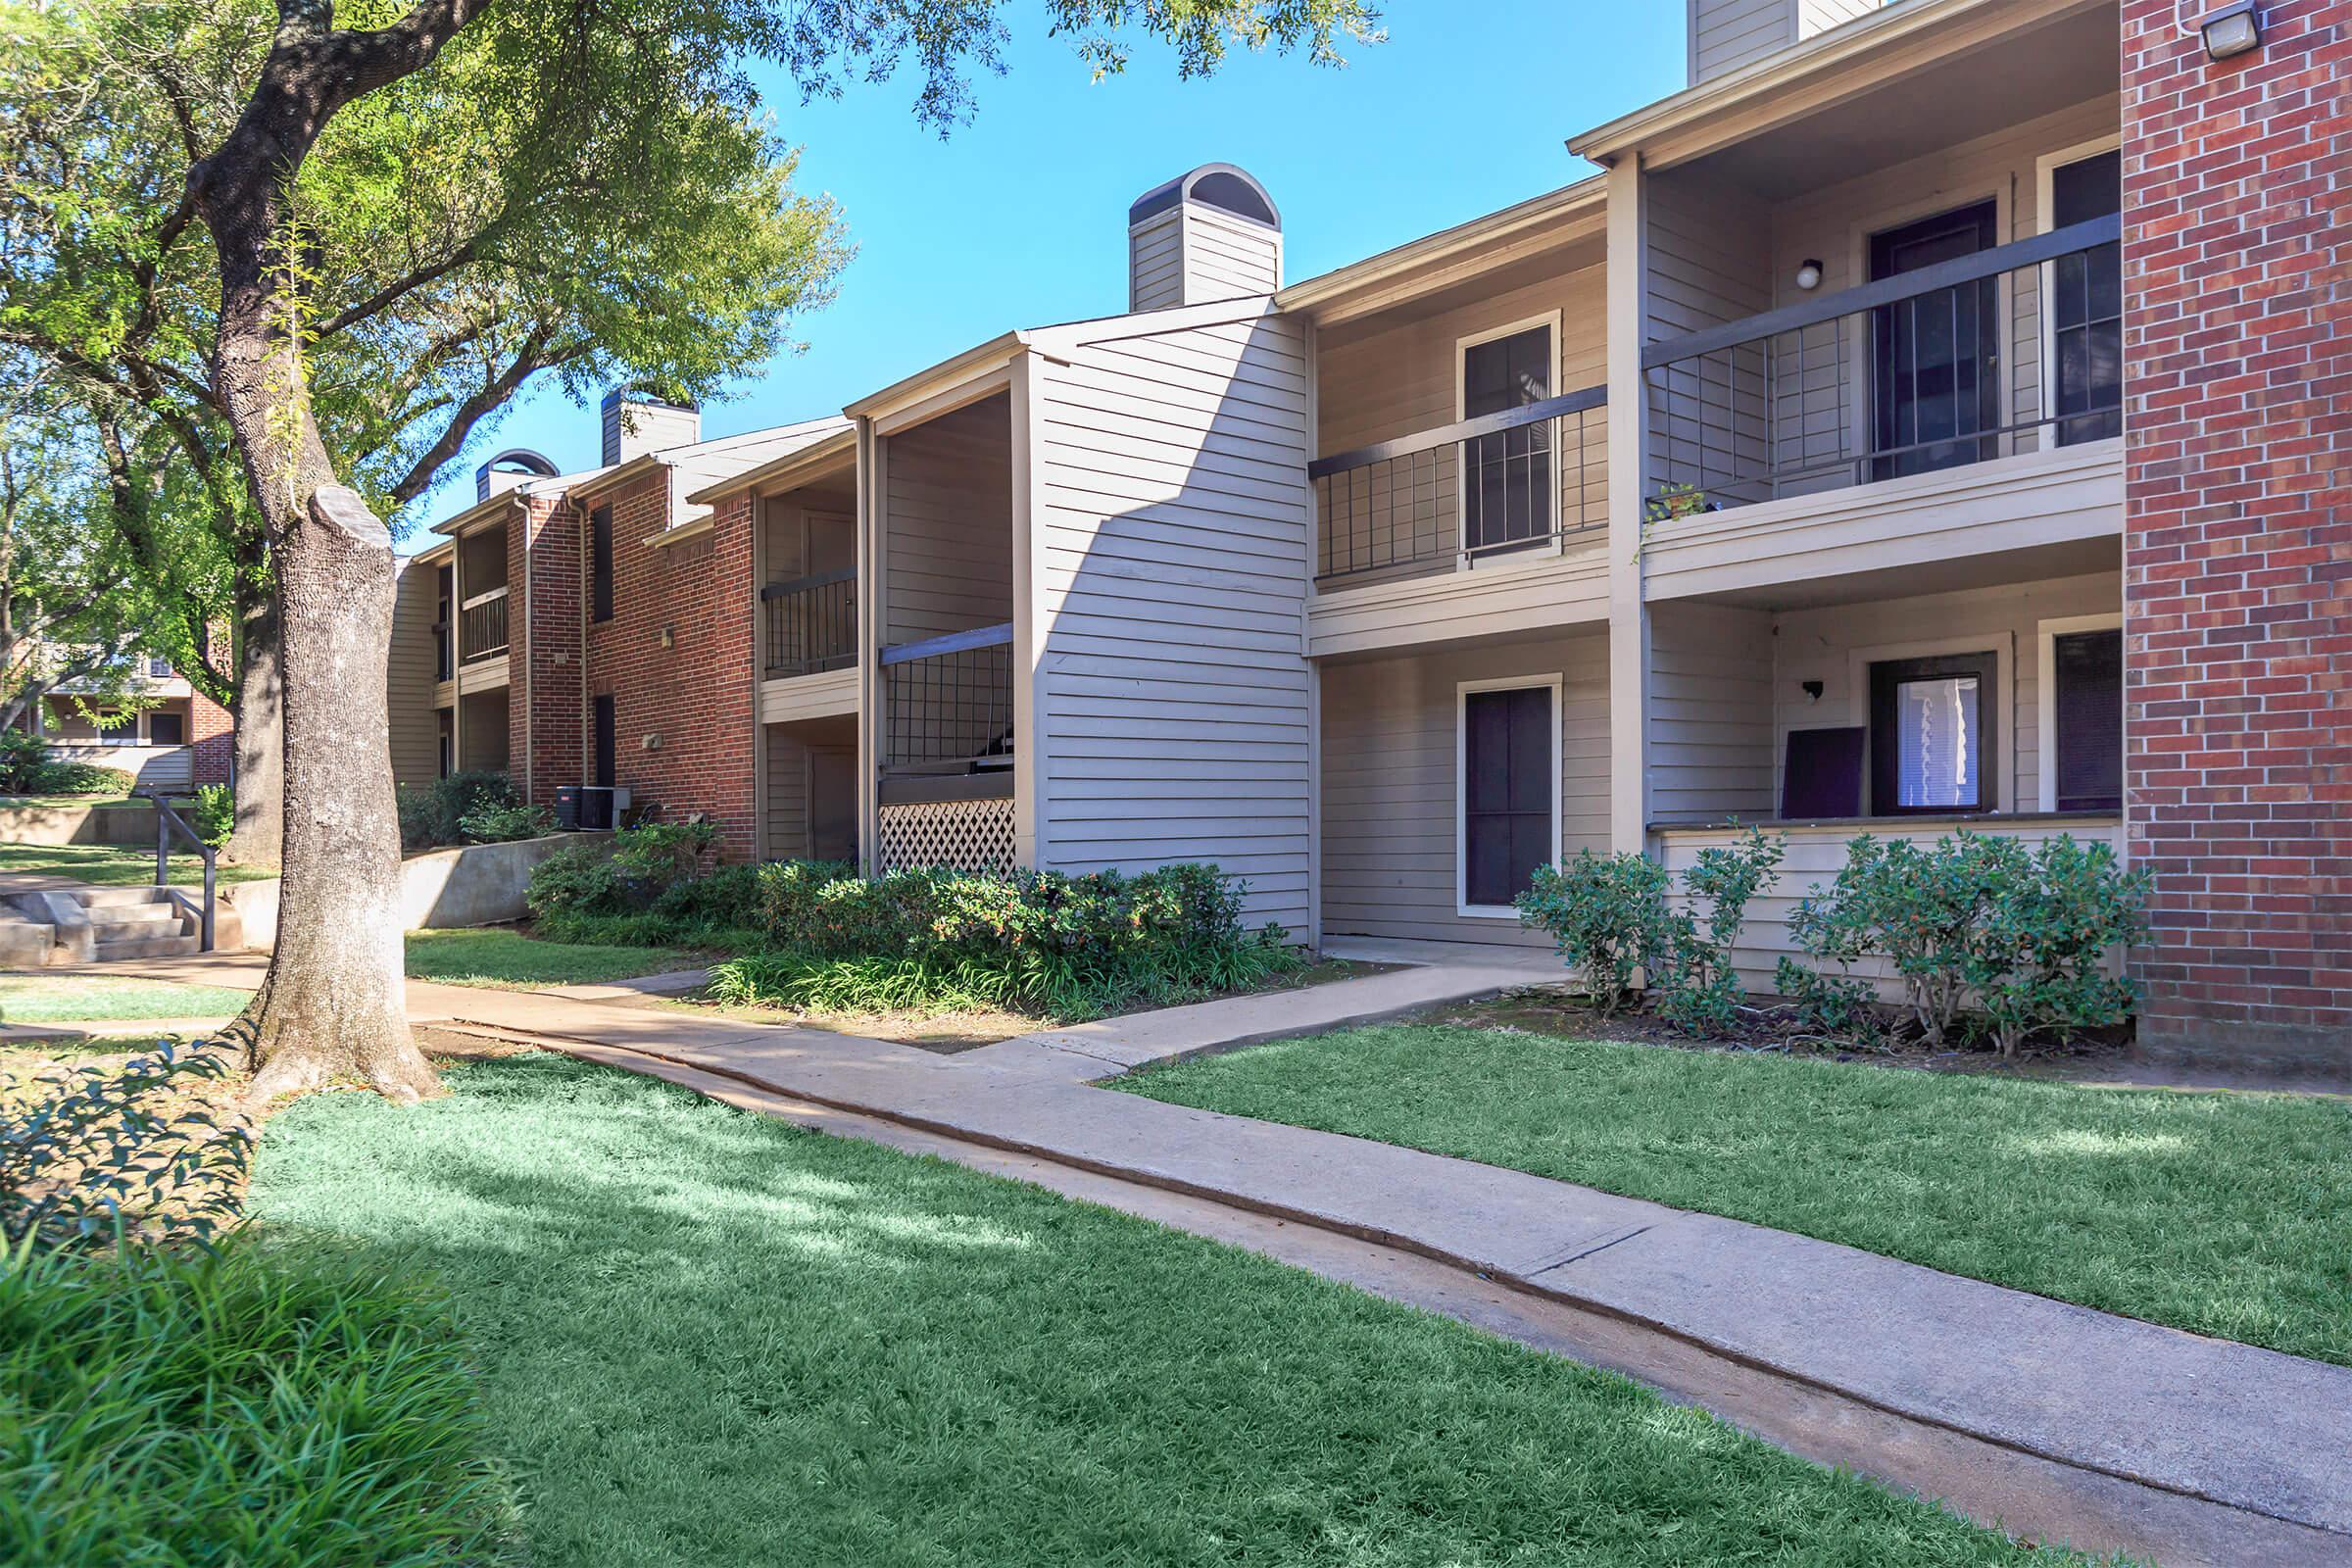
<point x="1820" y="16"/>
<point x="1814" y="855"/>
<point x="796" y="821"/>
<point x="1834" y="646"/>
<point x="415" y="729"/>
<point x="1725" y="35"/>
<point x="1155" y="262"/>
<point x="1227" y="258"/>
<point x="1710" y="714"/>
<point x="1709" y="263"/>
<point x="948" y="525"/>
<point x="1403" y="378"/>
<point x="1390" y="745"/>
<point x="1170" y="572"/>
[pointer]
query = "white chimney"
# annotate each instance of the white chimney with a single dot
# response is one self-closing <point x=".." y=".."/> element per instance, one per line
<point x="1212" y="234"/>
<point x="635" y="425"/>
<point x="1725" y="35"/>
<point x="510" y="468"/>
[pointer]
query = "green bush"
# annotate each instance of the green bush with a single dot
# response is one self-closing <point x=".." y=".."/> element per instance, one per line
<point x="631" y="873"/>
<point x="24" y="757"/>
<point x="431" y="814"/>
<point x="215" y="815"/>
<point x="82" y="778"/>
<point x="504" y="823"/>
<point x="1068" y="946"/>
<point x="1976" y="919"/>
<point x="94" y="1155"/>
<point x="236" y="1405"/>
<point x="1610" y="916"/>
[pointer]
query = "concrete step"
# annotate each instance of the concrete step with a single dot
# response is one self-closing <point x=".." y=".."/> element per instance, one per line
<point x="178" y="947"/>
<point x="129" y="916"/>
<point x="95" y="899"/>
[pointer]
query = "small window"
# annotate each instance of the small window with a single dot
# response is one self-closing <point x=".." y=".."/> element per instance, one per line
<point x="2087" y="305"/>
<point x="604" y="727"/>
<point x="1510" y="782"/>
<point x="158" y="669"/>
<point x="168" y="729"/>
<point x="600" y="563"/>
<point x="1931" y="735"/>
<point x="2087" y="669"/>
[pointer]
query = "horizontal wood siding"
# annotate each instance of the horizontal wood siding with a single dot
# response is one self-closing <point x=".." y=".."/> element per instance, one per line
<point x="1390" y="763"/>
<point x="1814" y="856"/>
<point x="1710" y="714"/>
<point x="1170" y="563"/>
<point x="415" y="729"/>
<point x="1725" y="35"/>
<point x="1709" y="263"/>
<point x="1400" y="377"/>
<point x="948" y="523"/>
<point x="1226" y="259"/>
<point x="1820" y="16"/>
<point x="787" y="796"/>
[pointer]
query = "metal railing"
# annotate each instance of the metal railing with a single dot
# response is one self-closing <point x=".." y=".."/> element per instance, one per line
<point x="811" y="622"/>
<point x="169" y="822"/>
<point x="482" y="625"/>
<point x="2009" y="350"/>
<point x="1439" y="500"/>
<point x="947" y="703"/>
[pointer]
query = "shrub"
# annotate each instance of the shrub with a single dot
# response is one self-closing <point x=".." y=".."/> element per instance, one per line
<point x="240" y="1405"/>
<point x="24" y="757"/>
<point x="632" y="873"/>
<point x="1610" y="916"/>
<point x="1979" y="919"/>
<point x="431" y="814"/>
<point x="82" y="778"/>
<point x="100" y="1153"/>
<point x="216" y="814"/>
<point x="502" y="822"/>
<point x="1604" y="912"/>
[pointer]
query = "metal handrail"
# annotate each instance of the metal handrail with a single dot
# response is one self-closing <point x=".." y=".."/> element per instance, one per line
<point x="822" y="579"/>
<point x="1446" y="435"/>
<point x="954" y="642"/>
<point x="166" y="822"/>
<point x="1970" y="268"/>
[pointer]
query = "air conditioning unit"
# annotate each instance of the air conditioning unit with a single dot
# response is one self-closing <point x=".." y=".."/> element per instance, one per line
<point x="591" y="807"/>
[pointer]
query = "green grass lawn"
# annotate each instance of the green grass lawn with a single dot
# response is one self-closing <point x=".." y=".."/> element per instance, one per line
<point x="510" y="961"/>
<point x="710" y="1338"/>
<point x="118" y="865"/>
<point x="2226" y="1214"/>
<point x="48" y="998"/>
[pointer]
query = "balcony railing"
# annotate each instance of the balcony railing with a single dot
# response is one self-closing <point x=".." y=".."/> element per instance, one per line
<point x="948" y="704"/>
<point x="811" y="623"/>
<point x="2009" y="350"/>
<point x="1499" y="484"/>
<point x="482" y="625"/>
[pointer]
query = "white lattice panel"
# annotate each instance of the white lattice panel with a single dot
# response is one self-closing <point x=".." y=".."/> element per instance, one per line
<point x="964" y="835"/>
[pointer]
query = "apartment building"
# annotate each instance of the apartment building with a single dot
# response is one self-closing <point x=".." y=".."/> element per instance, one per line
<point x="1927" y="419"/>
<point x="169" y="737"/>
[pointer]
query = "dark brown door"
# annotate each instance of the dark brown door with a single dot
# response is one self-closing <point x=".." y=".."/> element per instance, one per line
<point x="1508" y="771"/>
<point x="833" y="802"/>
<point x="1507" y="484"/>
<point x="1935" y="358"/>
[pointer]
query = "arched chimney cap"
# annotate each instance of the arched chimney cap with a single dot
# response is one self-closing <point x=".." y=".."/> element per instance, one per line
<point x="1227" y="187"/>
<point x="522" y="460"/>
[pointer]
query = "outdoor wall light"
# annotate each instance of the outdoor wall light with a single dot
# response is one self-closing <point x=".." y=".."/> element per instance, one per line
<point x="2232" y="31"/>
<point x="1808" y="275"/>
<point x="1813" y="689"/>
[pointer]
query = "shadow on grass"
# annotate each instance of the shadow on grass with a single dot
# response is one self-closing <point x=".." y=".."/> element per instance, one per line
<point x="711" y="1337"/>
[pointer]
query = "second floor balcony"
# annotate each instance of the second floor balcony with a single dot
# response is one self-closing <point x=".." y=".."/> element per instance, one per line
<point x="482" y="626"/>
<point x="810" y="623"/>
<point x="946" y="730"/>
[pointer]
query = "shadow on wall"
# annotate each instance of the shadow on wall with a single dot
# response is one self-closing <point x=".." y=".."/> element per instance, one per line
<point x="475" y="884"/>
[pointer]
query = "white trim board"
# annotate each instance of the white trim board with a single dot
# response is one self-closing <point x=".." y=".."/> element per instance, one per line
<point x="1461" y="784"/>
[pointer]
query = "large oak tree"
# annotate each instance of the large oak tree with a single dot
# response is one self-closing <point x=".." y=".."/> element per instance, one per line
<point x="455" y="196"/>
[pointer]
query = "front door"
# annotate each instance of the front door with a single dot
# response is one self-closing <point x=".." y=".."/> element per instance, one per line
<point x="1506" y="478"/>
<point x="833" y="802"/>
<point x="1935" y="358"/>
<point x="1510" y="778"/>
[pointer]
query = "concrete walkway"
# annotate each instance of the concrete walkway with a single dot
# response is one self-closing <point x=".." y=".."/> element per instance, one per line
<point x="2253" y="1444"/>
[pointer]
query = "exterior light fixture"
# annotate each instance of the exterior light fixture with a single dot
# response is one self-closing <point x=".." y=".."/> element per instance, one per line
<point x="1808" y="275"/>
<point x="2232" y="31"/>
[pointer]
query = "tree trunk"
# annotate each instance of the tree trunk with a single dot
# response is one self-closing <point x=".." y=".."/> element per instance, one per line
<point x="261" y="753"/>
<point x="334" y="1006"/>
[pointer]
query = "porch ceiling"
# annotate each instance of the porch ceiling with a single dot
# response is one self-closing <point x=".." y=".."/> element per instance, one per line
<point x="2074" y="558"/>
<point x="1954" y="100"/>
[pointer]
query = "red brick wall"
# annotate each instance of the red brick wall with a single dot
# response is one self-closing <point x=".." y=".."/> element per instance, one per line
<point x="213" y="737"/>
<point x="2237" y="545"/>
<point x="695" y="693"/>
<point x="544" y="704"/>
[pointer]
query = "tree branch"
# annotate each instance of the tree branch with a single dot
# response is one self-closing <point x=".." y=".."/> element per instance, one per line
<point x="528" y="361"/>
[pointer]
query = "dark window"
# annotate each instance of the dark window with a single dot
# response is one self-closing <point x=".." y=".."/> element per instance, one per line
<point x="606" y="760"/>
<point x="1506" y="485"/>
<point x="1508" y="773"/>
<point x="2088" y="670"/>
<point x="1932" y="723"/>
<point x="1935" y="358"/>
<point x="2087" y="305"/>
<point x="600" y="563"/>
<point x="168" y="729"/>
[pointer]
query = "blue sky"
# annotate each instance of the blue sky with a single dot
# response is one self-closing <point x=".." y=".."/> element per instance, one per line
<point x="1019" y="217"/>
